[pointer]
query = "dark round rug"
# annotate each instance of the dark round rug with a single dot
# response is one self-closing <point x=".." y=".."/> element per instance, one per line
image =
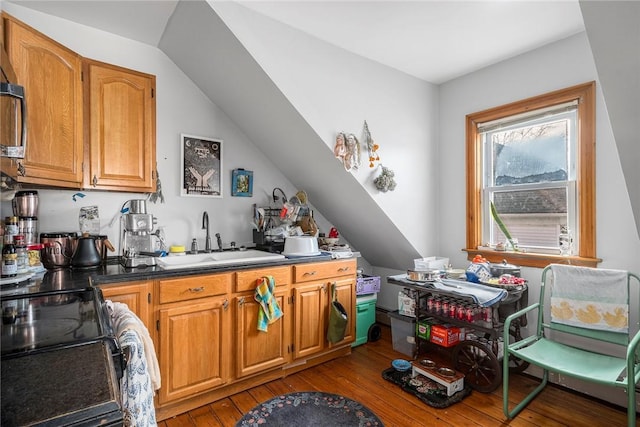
<point x="306" y="409"/>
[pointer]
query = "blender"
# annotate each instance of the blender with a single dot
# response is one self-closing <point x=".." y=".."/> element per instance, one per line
<point x="138" y="239"/>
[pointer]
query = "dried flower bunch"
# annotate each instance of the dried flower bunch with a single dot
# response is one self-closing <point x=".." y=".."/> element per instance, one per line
<point x="385" y="182"/>
<point x="371" y="146"/>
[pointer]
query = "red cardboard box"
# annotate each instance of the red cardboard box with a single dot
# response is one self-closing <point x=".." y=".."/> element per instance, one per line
<point x="445" y="335"/>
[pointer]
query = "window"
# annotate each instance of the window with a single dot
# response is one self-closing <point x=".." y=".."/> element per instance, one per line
<point x="534" y="161"/>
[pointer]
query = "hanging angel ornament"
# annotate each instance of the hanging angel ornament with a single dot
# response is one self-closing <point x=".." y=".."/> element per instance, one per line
<point x="372" y="147"/>
<point x="352" y="154"/>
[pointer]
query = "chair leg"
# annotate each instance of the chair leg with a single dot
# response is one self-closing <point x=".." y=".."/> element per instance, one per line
<point x="631" y="403"/>
<point x="520" y="406"/>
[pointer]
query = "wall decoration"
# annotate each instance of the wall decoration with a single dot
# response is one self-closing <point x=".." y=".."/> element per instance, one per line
<point x="347" y="150"/>
<point x="201" y="166"/>
<point x="385" y="182"/>
<point x="242" y="183"/>
<point x="372" y="147"/>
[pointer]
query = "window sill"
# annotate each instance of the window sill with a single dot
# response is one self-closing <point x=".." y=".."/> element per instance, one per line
<point x="526" y="259"/>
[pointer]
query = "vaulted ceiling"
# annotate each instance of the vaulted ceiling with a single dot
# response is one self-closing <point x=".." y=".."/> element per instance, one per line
<point x="435" y="41"/>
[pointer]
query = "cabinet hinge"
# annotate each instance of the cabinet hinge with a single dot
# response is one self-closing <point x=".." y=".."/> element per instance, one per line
<point x="149" y="297"/>
<point x="157" y="325"/>
<point x="153" y="93"/>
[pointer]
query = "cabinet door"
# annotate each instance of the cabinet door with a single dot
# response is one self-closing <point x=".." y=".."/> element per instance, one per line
<point x="122" y="126"/>
<point x="136" y="295"/>
<point x="52" y="77"/>
<point x="346" y="295"/>
<point x="256" y="350"/>
<point x="310" y="305"/>
<point x="195" y="343"/>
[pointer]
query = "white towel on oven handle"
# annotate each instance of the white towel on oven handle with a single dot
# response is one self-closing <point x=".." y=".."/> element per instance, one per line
<point x="124" y="319"/>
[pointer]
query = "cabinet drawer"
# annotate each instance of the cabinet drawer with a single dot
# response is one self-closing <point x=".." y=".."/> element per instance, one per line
<point x="246" y="280"/>
<point x="187" y="288"/>
<point x="323" y="270"/>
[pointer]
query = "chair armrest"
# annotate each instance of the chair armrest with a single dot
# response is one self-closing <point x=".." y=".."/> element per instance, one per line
<point x="519" y="313"/>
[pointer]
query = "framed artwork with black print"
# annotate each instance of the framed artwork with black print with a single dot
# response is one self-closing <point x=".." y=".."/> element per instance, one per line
<point x="201" y="166"/>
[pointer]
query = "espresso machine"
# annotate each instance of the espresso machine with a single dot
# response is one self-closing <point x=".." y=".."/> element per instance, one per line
<point x="138" y="239"/>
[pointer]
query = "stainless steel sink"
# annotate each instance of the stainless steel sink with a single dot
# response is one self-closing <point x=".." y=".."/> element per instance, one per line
<point x="212" y="259"/>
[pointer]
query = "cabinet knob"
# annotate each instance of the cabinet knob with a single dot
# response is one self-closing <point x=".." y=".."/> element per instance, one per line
<point x="225" y="304"/>
<point x="241" y="301"/>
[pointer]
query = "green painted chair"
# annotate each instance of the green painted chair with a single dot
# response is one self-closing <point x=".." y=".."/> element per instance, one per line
<point x="594" y="305"/>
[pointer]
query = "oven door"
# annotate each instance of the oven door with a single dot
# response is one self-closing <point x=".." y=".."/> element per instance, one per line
<point x="74" y="385"/>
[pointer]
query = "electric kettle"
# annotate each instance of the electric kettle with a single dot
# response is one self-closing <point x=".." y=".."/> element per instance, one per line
<point x="86" y="254"/>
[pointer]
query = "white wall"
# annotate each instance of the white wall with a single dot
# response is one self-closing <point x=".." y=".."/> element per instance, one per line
<point x="181" y="108"/>
<point x="334" y="91"/>
<point x="556" y="66"/>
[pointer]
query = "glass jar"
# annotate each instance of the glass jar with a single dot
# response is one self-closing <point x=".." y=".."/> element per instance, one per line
<point x="21" y="254"/>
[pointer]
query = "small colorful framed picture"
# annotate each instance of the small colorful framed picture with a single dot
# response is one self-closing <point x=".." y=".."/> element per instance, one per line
<point x="242" y="183"/>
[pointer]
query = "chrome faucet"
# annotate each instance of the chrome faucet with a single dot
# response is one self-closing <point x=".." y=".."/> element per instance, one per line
<point x="205" y="225"/>
<point x="219" y="239"/>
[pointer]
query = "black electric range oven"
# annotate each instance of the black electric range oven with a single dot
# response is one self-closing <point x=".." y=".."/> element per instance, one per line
<point x="60" y="362"/>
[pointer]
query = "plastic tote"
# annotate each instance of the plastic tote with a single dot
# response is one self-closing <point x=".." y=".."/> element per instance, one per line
<point x="337" y="321"/>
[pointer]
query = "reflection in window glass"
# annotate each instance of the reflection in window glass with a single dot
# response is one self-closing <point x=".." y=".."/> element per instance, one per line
<point x="530" y="178"/>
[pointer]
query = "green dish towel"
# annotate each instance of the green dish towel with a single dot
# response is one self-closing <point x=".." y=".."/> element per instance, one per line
<point x="269" y="309"/>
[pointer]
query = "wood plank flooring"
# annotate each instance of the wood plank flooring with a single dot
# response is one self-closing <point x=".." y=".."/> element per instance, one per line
<point x="358" y="376"/>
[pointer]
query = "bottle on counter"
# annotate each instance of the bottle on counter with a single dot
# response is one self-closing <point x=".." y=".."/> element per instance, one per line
<point x="11" y="226"/>
<point x="9" y="258"/>
<point x="22" y="258"/>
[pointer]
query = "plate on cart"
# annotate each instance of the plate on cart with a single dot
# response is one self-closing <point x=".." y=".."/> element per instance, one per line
<point x="495" y="283"/>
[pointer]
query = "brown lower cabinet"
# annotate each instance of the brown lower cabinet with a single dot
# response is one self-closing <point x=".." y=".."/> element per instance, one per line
<point x="205" y="328"/>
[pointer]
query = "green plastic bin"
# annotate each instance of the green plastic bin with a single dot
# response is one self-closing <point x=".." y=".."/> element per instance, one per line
<point x="365" y="317"/>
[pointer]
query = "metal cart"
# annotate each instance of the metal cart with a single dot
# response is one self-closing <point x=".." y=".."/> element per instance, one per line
<point x="479" y="358"/>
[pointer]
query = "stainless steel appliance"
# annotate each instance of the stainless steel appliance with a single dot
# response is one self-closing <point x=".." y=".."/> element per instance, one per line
<point x="25" y="203"/>
<point x="13" y="107"/>
<point x="138" y="239"/>
<point x="57" y="249"/>
<point x="60" y="361"/>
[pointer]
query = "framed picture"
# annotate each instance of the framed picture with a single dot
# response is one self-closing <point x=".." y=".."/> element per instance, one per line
<point x="201" y="166"/>
<point x="242" y="183"/>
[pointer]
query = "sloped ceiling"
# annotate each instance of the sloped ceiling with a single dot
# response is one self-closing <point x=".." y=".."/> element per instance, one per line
<point x="453" y="38"/>
<point x="251" y="99"/>
<point x="617" y="23"/>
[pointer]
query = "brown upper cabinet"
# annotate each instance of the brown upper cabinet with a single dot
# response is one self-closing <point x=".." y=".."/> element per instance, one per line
<point x="120" y="148"/>
<point x="91" y="125"/>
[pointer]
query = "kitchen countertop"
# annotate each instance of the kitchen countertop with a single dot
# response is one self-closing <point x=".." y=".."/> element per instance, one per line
<point x="113" y="272"/>
<point x="36" y="367"/>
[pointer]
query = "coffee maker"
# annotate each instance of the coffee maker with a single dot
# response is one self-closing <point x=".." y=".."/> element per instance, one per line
<point x="138" y="239"/>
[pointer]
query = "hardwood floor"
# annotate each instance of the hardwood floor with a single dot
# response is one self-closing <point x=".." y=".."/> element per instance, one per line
<point x="358" y="376"/>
